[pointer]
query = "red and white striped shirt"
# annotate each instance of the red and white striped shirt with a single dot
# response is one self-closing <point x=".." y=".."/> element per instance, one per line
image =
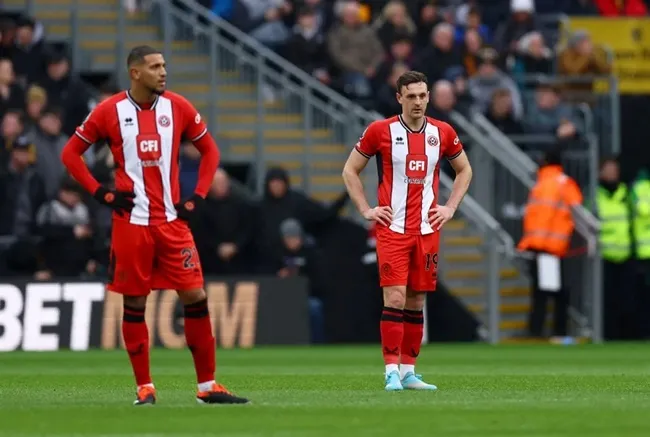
<point x="409" y="164"/>
<point x="145" y="143"/>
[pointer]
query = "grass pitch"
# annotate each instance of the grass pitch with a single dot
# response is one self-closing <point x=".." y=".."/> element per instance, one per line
<point x="336" y="391"/>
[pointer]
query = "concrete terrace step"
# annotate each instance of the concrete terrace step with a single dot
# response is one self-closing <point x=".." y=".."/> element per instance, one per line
<point x="295" y="149"/>
<point x="505" y="292"/>
<point x="280" y="134"/>
<point x="56" y="13"/>
<point x="455" y="273"/>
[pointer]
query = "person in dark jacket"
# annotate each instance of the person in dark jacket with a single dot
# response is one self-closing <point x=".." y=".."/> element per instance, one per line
<point x="66" y="91"/>
<point x="280" y="202"/>
<point x="64" y="224"/>
<point x="224" y="230"/>
<point x="300" y="259"/>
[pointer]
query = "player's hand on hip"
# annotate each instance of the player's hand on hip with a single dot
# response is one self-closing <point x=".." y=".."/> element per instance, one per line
<point x="187" y="208"/>
<point x="379" y="214"/>
<point x="119" y="201"/>
<point x="439" y="215"/>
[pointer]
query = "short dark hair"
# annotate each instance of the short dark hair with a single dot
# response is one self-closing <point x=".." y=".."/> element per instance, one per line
<point x="553" y="156"/>
<point x="137" y="54"/>
<point x="411" y="77"/>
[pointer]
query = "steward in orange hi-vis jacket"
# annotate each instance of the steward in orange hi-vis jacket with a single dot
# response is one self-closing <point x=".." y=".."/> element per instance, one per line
<point x="548" y="223"/>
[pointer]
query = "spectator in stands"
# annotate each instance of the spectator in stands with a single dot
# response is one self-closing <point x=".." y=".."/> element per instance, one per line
<point x="428" y="17"/>
<point x="323" y="13"/>
<point x="49" y="142"/>
<point x="568" y="7"/>
<point x="581" y="58"/>
<point x="224" y="230"/>
<point x="443" y="100"/>
<point x="7" y="39"/>
<point x="501" y="115"/>
<point x="469" y="18"/>
<point x="265" y="20"/>
<point x="64" y="224"/>
<point x="490" y="78"/>
<point x="617" y="8"/>
<point x="386" y="101"/>
<point x="355" y="51"/>
<point x="66" y="91"/>
<point x="12" y="95"/>
<point x="99" y="155"/>
<point x="35" y="102"/>
<point x="28" y="54"/>
<point x="189" y="168"/>
<point x="520" y="22"/>
<point x="22" y="192"/>
<point x="550" y="116"/>
<point x="306" y="47"/>
<point x="532" y="57"/>
<point x="401" y="51"/>
<point x="440" y="55"/>
<point x="472" y="44"/>
<point x="281" y="202"/>
<point x="12" y="127"/>
<point x="394" y="22"/>
<point x="300" y="259"/>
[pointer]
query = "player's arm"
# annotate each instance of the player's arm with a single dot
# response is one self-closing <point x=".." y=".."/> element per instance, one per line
<point x="88" y="133"/>
<point x="356" y="162"/>
<point x="463" y="170"/>
<point x="195" y="130"/>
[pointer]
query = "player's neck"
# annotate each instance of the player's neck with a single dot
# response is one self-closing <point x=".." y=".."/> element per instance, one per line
<point x="142" y="96"/>
<point x="414" y="124"/>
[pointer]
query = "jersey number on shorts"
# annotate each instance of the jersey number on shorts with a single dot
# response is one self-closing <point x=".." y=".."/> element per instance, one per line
<point x="188" y="255"/>
<point x="430" y="258"/>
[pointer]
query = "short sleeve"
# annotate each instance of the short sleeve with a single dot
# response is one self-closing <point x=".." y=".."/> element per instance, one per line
<point x="451" y="145"/>
<point x="193" y="125"/>
<point x="93" y="128"/>
<point x="368" y="144"/>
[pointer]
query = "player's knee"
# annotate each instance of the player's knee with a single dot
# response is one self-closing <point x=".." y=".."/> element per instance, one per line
<point x="415" y="300"/>
<point x="188" y="297"/>
<point x="395" y="297"/>
<point x="135" y="301"/>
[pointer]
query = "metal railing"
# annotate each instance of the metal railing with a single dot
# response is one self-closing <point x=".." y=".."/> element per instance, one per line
<point x="504" y="175"/>
<point x="282" y="89"/>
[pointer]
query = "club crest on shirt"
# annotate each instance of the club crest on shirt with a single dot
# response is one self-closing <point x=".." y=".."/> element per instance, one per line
<point x="432" y="141"/>
<point x="164" y="121"/>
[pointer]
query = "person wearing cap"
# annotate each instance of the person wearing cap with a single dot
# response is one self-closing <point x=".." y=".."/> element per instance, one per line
<point x="64" y="224"/>
<point x="300" y="259"/>
<point x="582" y="58"/>
<point x="22" y="192"/>
<point x="548" y="227"/>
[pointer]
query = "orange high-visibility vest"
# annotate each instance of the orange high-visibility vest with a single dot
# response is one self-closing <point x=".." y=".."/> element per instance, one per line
<point x="548" y="223"/>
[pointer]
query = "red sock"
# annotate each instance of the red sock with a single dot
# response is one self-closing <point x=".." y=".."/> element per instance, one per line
<point x="198" y="333"/>
<point x="392" y="331"/>
<point x="136" y="340"/>
<point x="413" y="331"/>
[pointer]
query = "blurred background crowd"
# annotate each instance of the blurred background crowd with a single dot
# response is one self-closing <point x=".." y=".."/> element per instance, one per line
<point x="492" y="57"/>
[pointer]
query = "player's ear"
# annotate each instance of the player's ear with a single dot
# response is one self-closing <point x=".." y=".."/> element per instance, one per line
<point x="398" y="96"/>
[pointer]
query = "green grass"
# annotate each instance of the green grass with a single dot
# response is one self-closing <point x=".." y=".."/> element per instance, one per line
<point x="337" y="391"/>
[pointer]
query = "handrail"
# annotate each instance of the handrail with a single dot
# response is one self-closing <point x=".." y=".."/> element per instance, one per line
<point x="269" y="55"/>
<point x="520" y="159"/>
<point x="471" y="209"/>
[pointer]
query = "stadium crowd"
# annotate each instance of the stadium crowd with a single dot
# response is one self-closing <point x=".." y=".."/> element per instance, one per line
<point x="478" y="55"/>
